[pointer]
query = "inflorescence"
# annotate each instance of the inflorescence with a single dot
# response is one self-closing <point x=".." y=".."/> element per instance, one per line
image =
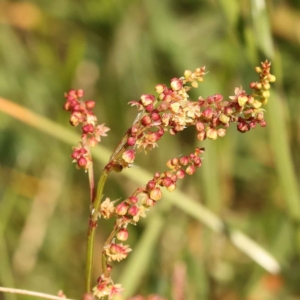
<point x="170" y="111"/>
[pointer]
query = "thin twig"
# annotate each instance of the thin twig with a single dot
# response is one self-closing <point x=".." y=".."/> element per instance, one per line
<point x="31" y="293"/>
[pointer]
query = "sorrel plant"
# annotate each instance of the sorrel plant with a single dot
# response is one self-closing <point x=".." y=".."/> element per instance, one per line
<point x="169" y="112"/>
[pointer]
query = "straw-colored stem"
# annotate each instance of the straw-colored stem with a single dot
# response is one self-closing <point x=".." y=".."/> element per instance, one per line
<point x="30" y="293"/>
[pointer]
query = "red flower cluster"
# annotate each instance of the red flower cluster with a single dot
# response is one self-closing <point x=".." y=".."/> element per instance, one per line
<point x="172" y="112"/>
<point x="131" y="209"/>
<point x="82" y="113"/>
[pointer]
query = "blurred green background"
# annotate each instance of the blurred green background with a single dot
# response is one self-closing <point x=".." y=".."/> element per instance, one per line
<point x="115" y="51"/>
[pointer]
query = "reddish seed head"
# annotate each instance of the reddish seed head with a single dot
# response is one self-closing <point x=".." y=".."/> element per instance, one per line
<point x="156" y="194"/>
<point x="122" y="208"/>
<point x="146" y="121"/>
<point x="133" y="199"/>
<point x="168" y="174"/>
<point x="134" y="130"/>
<point x="197" y="161"/>
<point x="151" y="185"/>
<point x="149" y="202"/>
<point x="92" y="142"/>
<point x="173" y="177"/>
<point x="200" y="126"/>
<point x="171" y="187"/>
<point x="72" y="93"/>
<point x="263" y="123"/>
<point x="67" y="106"/>
<point x="74" y="154"/>
<point x="192" y="155"/>
<point x="88" y="128"/>
<point x="252" y="124"/>
<point x="243" y="127"/>
<point x="215" y="121"/>
<point x="153" y="137"/>
<point x="180" y="174"/>
<point x="79" y="93"/>
<point x="260" y="116"/>
<point x="155" y="117"/>
<point x="73" y="102"/>
<point x="71" y="98"/>
<point x="82" y="162"/>
<point x="76" y="118"/>
<point x="156" y="175"/>
<point x="200" y="101"/>
<point x="190" y="170"/>
<point x="131" y="141"/>
<point x="133" y="210"/>
<point x="221" y="132"/>
<point x="122" y="235"/>
<point x="147" y="99"/>
<point x="167" y="98"/>
<point x="228" y="111"/>
<point x="210" y="99"/>
<point x="184" y="160"/>
<point x="163" y="106"/>
<point x="82" y="151"/>
<point x="149" y="107"/>
<point x="208" y="113"/>
<point x="250" y="100"/>
<point x="169" y="164"/>
<point x="77" y="152"/>
<point x="77" y="107"/>
<point x="160" y="132"/>
<point x="129" y="156"/>
<point x="167" y="182"/>
<point x="159" y="88"/>
<point x="175" y="161"/>
<point x="114" y="248"/>
<point x="176" y="84"/>
<point x="218" y="97"/>
<point x="90" y="104"/>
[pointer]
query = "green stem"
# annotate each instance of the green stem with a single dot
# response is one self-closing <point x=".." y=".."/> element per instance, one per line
<point x="92" y="228"/>
<point x="95" y="206"/>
